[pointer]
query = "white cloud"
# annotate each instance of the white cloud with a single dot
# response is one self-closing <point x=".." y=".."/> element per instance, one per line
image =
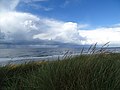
<point x="17" y="26"/>
<point x="25" y="26"/>
<point x="62" y="32"/>
<point x="102" y="35"/>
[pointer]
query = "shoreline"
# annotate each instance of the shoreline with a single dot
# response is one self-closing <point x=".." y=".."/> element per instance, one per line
<point x="20" y="60"/>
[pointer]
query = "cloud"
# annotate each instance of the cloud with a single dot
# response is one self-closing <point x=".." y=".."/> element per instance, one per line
<point x="18" y="25"/>
<point x="2" y="35"/>
<point x="102" y="35"/>
<point x="69" y="2"/>
<point x="6" y="5"/>
<point x="65" y="3"/>
<point x="36" y="4"/>
<point x="25" y="26"/>
<point x="37" y="7"/>
<point x="30" y="1"/>
<point x="61" y="31"/>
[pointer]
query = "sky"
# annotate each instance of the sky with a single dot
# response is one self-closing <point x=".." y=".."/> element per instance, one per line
<point x="68" y="21"/>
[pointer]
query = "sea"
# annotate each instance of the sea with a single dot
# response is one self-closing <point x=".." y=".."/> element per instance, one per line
<point x="21" y="55"/>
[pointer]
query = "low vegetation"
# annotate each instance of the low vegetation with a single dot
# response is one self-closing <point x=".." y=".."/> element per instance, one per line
<point x="93" y="71"/>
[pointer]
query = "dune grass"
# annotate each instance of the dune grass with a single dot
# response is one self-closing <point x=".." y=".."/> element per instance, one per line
<point x="83" y="72"/>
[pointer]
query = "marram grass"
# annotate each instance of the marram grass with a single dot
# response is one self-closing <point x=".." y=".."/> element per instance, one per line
<point x="83" y="72"/>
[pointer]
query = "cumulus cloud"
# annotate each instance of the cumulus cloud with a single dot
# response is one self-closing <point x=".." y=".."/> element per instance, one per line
<point x="25" y="26"/>
<point x="62" y="32"/>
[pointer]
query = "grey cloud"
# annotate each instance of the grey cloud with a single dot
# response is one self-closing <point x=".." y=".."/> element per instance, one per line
<point x="2" y="35"/>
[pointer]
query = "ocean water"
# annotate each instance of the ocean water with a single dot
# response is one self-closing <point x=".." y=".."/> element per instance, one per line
<point x="15" y="54"/>
<point x="35" y="52"/>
